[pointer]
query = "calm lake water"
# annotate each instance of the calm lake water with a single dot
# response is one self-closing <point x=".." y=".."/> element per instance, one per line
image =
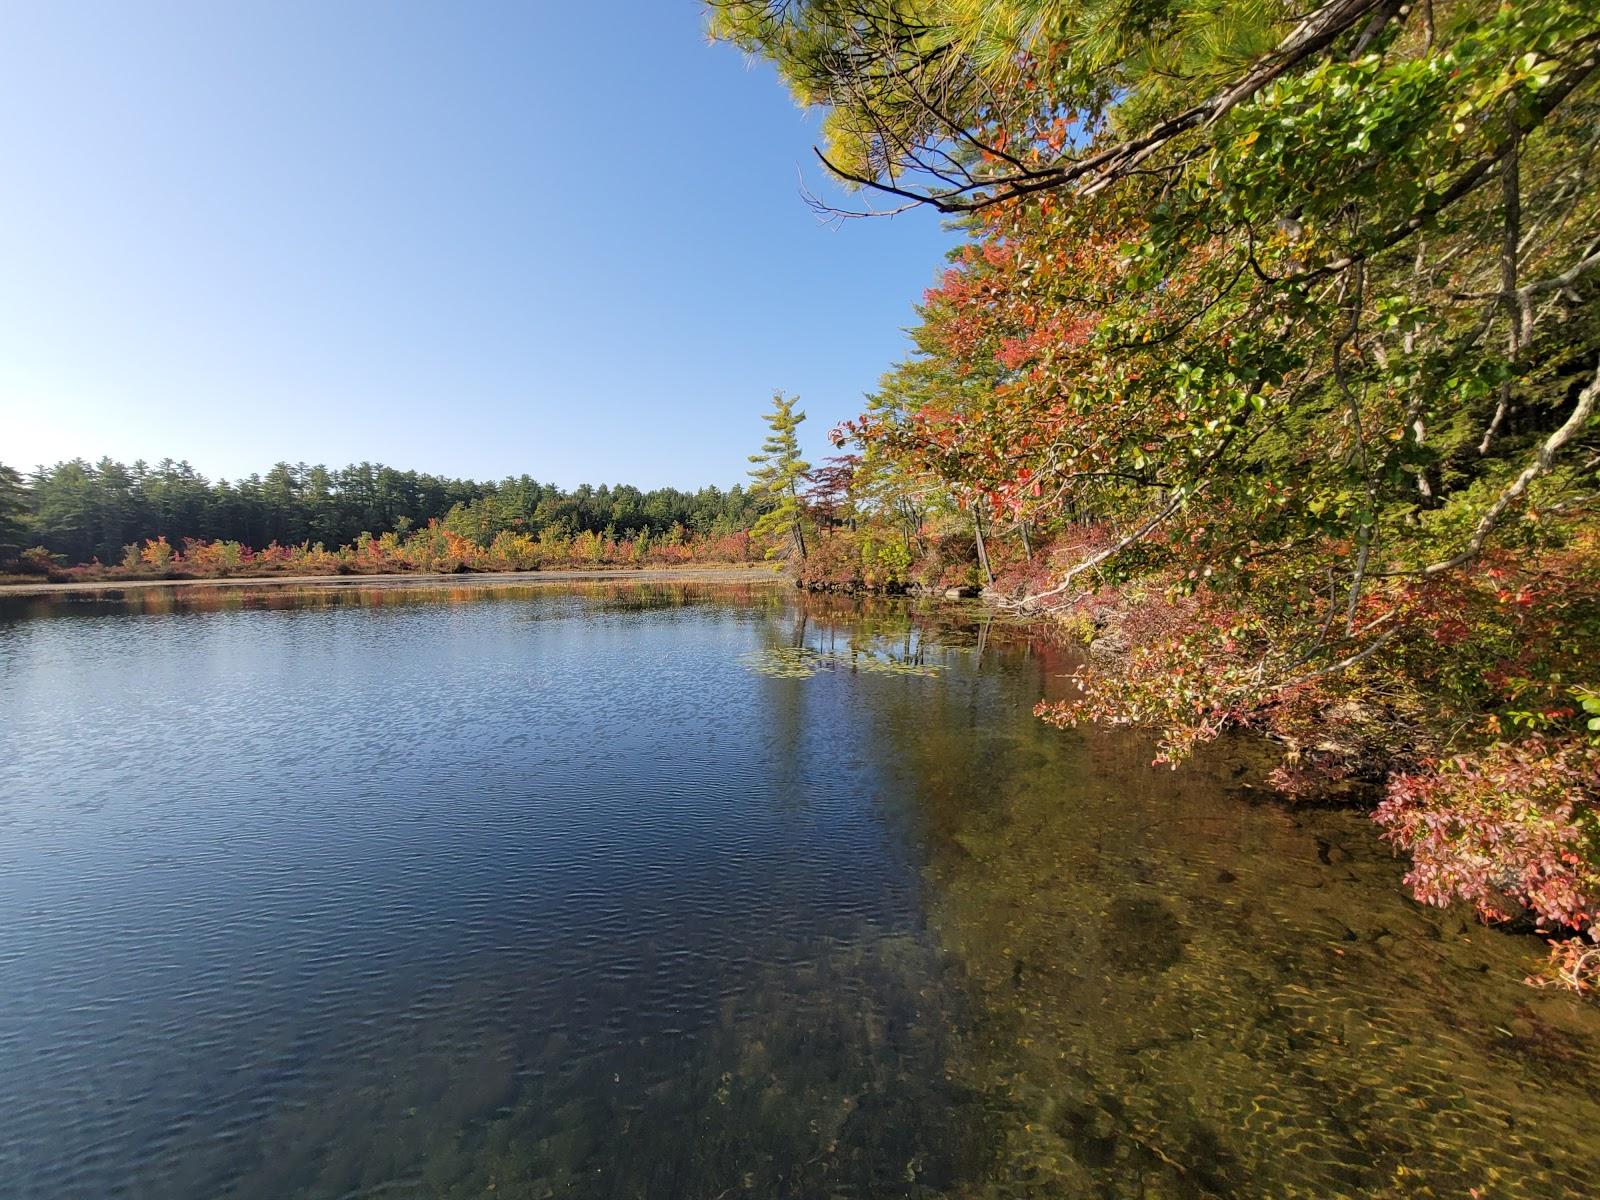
<point x="697" y="892"/>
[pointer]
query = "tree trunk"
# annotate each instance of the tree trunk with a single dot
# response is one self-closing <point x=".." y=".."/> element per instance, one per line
<point x="799" y="523"/>
<point x="983" y="551"/>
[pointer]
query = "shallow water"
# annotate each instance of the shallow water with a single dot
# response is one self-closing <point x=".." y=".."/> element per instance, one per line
<point x="680" y="891"/>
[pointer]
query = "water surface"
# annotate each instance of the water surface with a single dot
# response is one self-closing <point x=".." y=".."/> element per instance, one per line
<point x="686" y="891"/>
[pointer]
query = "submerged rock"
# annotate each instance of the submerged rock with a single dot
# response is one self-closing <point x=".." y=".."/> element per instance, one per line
<point x="1153" y="938"/>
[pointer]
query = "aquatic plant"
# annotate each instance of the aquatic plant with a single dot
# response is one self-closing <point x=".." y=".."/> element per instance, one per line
<point x="802" y="662"/>
<point x="784" y="662"/>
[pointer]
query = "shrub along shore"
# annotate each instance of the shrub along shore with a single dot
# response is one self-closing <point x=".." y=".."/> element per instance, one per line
<point x="434" y="550"/>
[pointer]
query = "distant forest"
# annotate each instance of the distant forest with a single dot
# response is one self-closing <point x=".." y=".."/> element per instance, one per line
<point x="81" y="510"/>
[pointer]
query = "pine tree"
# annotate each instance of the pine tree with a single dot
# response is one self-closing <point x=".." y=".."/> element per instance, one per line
<point x="778" y="474"/>
<point x="13" y="512"/>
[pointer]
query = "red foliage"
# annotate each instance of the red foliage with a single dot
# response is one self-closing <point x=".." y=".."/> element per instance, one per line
<point x="1515" y="824"/>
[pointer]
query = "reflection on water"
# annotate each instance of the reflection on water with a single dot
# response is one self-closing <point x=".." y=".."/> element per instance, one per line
<point x="676" y="891"/>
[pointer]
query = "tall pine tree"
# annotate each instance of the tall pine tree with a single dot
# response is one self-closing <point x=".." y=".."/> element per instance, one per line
<point x="778" y="474"/>
<point x="13" y="512"/>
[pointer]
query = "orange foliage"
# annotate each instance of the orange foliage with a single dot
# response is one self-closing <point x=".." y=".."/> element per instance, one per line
<point x="432" y="549"/>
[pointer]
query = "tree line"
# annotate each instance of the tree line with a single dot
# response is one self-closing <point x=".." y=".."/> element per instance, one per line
<point x="81" y="511"/>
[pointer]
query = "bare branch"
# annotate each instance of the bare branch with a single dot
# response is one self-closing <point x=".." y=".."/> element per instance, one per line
<point x="1521" y="309"/>
<point x="1344" y="664"/>
<point x="1540" y="465"/>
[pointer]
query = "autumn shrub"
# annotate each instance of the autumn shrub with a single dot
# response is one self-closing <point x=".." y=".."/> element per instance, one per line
<point x="157" y="553"/>
<point x="213" y="558"/>
<point x="1514" y="824"/>
<point x="862" y="557"/>
<point x="833" y="560"/>
<point x="588" y="548"/>
<point x="36" y="560"/>
<point x="735" y="547"/>
<point x="435" y="547"/>
<point x="1181" y="664"/>
<point x="1511" y="828"/>
<point x="885" y="561"/>
<point x="946" y="557"/>
<point x="514" y="551"/>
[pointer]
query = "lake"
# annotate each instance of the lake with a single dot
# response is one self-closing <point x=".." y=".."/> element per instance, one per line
<point x="691" y="891"/>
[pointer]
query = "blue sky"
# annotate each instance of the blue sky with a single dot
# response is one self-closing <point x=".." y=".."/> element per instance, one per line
<point x="475" y="239"/>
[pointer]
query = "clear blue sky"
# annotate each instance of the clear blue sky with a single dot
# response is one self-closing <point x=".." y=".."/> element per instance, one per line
<point x="477" y="239"/>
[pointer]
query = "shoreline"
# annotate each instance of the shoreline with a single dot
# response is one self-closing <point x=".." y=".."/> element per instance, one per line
<point x="747" y="573"/>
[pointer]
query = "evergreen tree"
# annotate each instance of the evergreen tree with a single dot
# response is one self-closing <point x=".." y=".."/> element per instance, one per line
<point x="13" y="512"/>
<point x="778" y="474"/>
